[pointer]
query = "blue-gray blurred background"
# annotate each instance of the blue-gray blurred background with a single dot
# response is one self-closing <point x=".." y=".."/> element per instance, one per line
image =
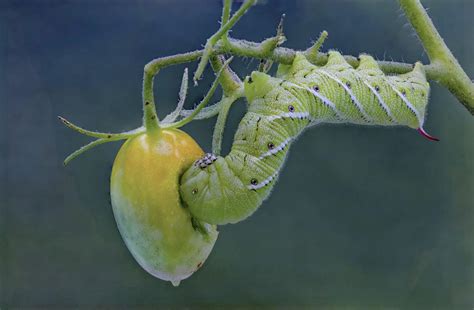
<point x="360" y="218"/>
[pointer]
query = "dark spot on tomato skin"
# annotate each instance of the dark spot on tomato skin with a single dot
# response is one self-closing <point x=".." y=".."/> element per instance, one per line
<point x="199" y="265"/>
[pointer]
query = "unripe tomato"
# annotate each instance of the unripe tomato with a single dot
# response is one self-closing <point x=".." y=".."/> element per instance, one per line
<point x="159" y="232"/>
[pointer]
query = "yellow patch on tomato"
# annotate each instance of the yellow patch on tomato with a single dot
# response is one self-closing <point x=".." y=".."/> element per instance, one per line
<point x="157" y="229"/>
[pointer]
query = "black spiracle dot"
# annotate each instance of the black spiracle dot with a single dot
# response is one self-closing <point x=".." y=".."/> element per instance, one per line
<point x="348" y="84"/>
<point x="404" y="92"/>
<point x="250" y="81"/>
<point x="377" y="88"/>
<point x="316" y="88"/>
<point x="254" y="181"/>
<point x="195" y="191"/>
<point x="291" y="108"/>
<point x="270" y="145"/>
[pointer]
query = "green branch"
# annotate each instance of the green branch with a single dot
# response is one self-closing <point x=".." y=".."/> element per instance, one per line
<point x="445" y="69"/>
<point x="222" y="32"/>
<point x="150" y="118"/>
<point x="218" y="133"/>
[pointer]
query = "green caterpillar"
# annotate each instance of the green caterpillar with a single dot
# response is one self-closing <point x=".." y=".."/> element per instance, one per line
<point x="221" y="190"/>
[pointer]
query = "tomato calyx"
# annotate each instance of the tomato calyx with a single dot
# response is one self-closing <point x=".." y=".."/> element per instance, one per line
<point x="150" y="119"/>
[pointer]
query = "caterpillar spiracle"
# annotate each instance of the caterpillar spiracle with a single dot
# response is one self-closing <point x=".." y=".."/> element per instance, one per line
<point x="220" y="190"/>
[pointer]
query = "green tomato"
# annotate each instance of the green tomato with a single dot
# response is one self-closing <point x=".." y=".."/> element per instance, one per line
<point x="157" y="229"/>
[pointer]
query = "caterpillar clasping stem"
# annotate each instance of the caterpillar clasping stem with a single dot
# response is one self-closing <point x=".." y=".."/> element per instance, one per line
<point x="280" y="108"/>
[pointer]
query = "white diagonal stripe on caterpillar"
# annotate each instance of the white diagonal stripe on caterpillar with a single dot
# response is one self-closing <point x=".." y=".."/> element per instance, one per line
<point x="407" y="102"/>
<point x="299" y="115"/>
<point x="379" y="98"/>
<point x="264" y="182"/>
<point x="325" y="100"/>
<point x="276" y="149"/>
<point x="356" y="102"/>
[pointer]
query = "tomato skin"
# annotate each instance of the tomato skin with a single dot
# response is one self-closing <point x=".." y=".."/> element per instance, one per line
<point x="155" y="226"/>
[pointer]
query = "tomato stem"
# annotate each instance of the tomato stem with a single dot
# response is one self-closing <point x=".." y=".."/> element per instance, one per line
<point x="150" y="118"/>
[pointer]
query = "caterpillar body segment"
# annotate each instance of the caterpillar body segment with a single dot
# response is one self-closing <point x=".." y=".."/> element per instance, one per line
<point x="221" y="190"/>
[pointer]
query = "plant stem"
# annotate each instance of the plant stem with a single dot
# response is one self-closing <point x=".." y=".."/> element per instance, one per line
<point x="225" y="103"/>
<point x="445" y="69"/>
<point x="229" y="81"/>
<point x="280" y="54"/>
<point x="226" y="8"/>
<point x="150" y="118"/>
<point x="221" y="32"/>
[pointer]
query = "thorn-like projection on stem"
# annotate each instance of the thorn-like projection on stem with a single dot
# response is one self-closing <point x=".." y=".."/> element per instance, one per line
<point x="266" y="64"/>
<point x="312" y="52"/>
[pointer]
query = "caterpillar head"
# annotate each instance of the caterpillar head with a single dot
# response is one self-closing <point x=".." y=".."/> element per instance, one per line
<point x="257" y="85"/>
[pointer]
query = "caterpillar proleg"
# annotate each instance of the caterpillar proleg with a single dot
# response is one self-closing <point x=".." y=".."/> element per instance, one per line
<point x="221" y="190"/>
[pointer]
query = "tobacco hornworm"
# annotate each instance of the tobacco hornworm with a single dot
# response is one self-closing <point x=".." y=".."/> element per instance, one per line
<point x="228" y="189"/>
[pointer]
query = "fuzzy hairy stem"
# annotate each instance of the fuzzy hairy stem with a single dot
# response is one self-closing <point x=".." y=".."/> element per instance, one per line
<point x="229" y="81"/>
<point x="217" y="36"/>
<point x="280" y="54"/>
<point x="444" y="66"/>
